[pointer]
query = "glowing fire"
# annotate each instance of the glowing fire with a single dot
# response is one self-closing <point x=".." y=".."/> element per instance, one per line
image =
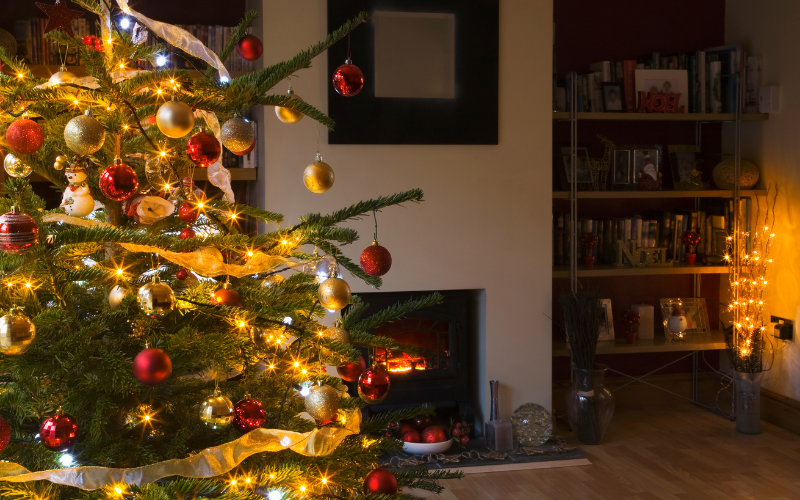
<point x="405" y="364"/>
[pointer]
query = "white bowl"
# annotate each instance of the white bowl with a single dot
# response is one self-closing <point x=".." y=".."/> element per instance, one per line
<point x="423" y="448"/>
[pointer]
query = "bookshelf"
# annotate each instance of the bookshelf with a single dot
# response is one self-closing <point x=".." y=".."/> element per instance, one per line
<point x="663" y="117"/>
<point x="643" y="195"/>
<point x="712" y="342"/>
<point x="605" y="270"/>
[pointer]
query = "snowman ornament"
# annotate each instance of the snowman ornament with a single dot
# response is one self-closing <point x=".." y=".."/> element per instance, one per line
<point x="77" y="200"/>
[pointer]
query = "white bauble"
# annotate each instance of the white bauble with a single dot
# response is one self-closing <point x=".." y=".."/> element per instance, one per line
<point x="116" y="295"/>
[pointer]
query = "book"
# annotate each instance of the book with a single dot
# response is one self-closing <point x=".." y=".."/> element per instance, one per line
<point x="604" y="68"/>
<point x="714" y="87"/>
<point x="701" y="81"/>
<point x="731" y="59"/>
<point x="629" y="84"/>
<point x="752" y="83"/>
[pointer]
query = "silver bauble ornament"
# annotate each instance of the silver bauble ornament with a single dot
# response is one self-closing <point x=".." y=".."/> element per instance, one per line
<point x="62" y="76"/>
<point x="156" y="299"/>
<point x="216" y="410"/>
<point x="15" y="167"/>
<point x="16" y="333"/>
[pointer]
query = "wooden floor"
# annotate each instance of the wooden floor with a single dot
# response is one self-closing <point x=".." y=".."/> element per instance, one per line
<point x="675" y="453"/>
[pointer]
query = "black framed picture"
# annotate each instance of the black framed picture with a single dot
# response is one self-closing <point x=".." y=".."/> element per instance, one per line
<point x="430" y="72"/>
<point x="613" y="97"/>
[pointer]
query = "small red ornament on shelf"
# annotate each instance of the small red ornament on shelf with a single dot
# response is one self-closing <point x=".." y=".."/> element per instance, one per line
<point x="18" y="232"/>
<point x="118" y="181"/>
<point x="631" y="318"/>
<point x="373" y="385"/>
<point x="248" y="414"/>
<point x="249" y="47"/>
<point x="380" y="482"/>
<point x="350" y="372"/>
<point x="25" y="136"/>
<point x="5" y="434"/>
<point x="691" y="239"/>
<point x="588" y="241"/>
<point x="376" y="260"/>
<point x="59" y="432"/>
<point x="187" y="232"/>
<point x="152" y="366"/>
<point x="203" y="149"/>
<point x="227" y="296"/>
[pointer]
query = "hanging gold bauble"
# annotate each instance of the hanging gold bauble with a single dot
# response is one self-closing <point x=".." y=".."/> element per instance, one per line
<point x="322" y="403"/>
<point x="60" y="162"/>
<point x="175" y="119"/>
<point x="84" y="134"/>
<point x="216" y="410"/>
<point x="337" y="334"/>
<point x="62" y="76"/>
<point x="15" y="167"/>
<point x="156" y="299"/>
<point x="16" y="333"/>
<point x="272" y="280"/>
<point x="288" y="115"/>
<point x="237" y="134"/>
<point x="334" y="294"/>
<point x="318" y="177"/>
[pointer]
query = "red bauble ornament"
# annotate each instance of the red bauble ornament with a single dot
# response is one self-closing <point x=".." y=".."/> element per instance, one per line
<point x="18" y="232"/>
<point x="203" y="149"/>
<point x="434" y="434"/>
<point x="380" y="481"/>
<point x="350" y="372"/>
<point x="182" y="274"/>
<point x="411" y="436"/>
<point x="226" y="296"/>
<point x="118" y="181"/>
<point x="373" y="385"/>
<point x="249" y="47"/>
<point x="348" y="80"/>
<point x="188" y="213"/>
<point x="187" y="232"/>
<point x="422" y="422"/>
<point x="246" y="151"/>
<point x="59" y="16"/>
<point x="248" y="414"/>
<point x="376" y="260"/>
<point x="5" y="434"/>
<point x="59" y="432"/>
<point x="152" y="366"/>
<point x="25" y="136"/>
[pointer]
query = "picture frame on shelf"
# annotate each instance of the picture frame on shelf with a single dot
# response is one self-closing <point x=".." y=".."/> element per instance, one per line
<point x="622" y="172"/>
<point x="663" y="81"/>
<point x="607" y="325"/>
<point x="683" y="162"/>
<point x="584" y="176"/>
<point x="645" y="157"/>
<point x="693" y="310"/>
<point x="613" y="97"/>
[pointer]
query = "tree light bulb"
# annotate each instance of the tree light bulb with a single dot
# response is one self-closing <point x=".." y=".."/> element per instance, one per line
<point x="161" y="61"/>
<point x="75" y="102"/>
<point x="247" y="480"/>
<point x="66" y="460"/>
<point x="250" y="253"/>
<point x="117" y="490"/>
<point x="324" y="481"/>
<point x="305" y="391"/>
<point x="296" y="364"/>
<point x="121" y="65"/>
<point x="224" y="79"/>
<point x="27" y="285"/>
<point x="200" y="205"/>
<point x="125" y="23"/>
<point x="271" y="367"/>
<point x="158" y="91"/>
<point x="163" y="153"/>
<point x="302" y="488"/>
<point x="274" y="494"/>
<point x="287" y="320"/>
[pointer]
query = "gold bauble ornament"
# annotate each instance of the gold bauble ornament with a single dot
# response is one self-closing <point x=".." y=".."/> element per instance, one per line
<point x="15" y="167"/>
<point x="115" y="296"/>
<point x="216" y="410"/>
<point x="60" y="162"/>
<point x="175" y="119"/>
<point x="337" y="334"/>
<point x="272" y="280"/>
<point x="237" y="134"/>
<point x="288" y="115"/>
<point x="62" y="76"/>
<point x="322" y="403"/>
<point x="318" y="177"/>
<point x="16" y="333"/>
<point x="156" y="299"/>
<point x="334" y="294"/>
<point x="84" y="134"/>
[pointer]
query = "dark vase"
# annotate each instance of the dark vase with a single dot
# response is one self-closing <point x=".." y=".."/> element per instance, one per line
<point x="690" y="258"/>
<point x="590" y="404"/>
<point x="588" y="261"/>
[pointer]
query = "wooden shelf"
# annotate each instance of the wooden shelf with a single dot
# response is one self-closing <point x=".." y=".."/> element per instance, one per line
<point x="663" y="117"/>
<point x="629" y="195"/>
<point x="237" y="174"/>
<point x="45" y="71"/>
<point x="711" y="342"/>
<point x="601" y="270"/>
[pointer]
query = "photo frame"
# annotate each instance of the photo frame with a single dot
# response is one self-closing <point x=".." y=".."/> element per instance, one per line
<point x="645" y="159"/>
<point x="621" y="169"/>
<point x="683" y="162"/>
<point x="584" y="177"/>
<point x="664" y="81"/>
<point x="693" y="310"/>
<point x="613" y="97"/>
<point x="607" y="326"/>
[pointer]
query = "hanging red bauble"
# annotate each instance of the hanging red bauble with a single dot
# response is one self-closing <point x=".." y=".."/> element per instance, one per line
<point x="380" y="481"/>
<point x="5" y="434"/>
<point x="227" y="296"/>
<point x="348" y="80"/>
<point x="246" y="151"/>
<point x="182" y="274"/>
<point x="373" y="385"/>
<point x="248" y="414"/>
<point x="152" y="366"/>
<point x="25" y="136"/>
<point x="59" y="432"/>
<point x="249" y="47"/>
<point x="203" y="149"/>
<point x="376" y="260"/>
<point x="351" y="371"/>
<point x="118" y="181"/>
<point x="18" y="232"/>
<point x="59" y="16"/>
<point x="187" y="232"/>
<point x="188" y="213"/>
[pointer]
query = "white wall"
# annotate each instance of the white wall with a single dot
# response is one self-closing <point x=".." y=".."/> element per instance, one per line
<point x="486" y="221"/>
<point x="769" y="28"/>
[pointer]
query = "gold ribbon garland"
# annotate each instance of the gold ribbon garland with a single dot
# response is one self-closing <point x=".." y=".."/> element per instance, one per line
<point x="210" y="462"/>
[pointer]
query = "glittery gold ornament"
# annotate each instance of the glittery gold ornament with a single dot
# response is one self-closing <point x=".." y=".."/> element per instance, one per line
<point x="318" y="177"/>
<point x="334" y="294"/>
<point x="60" y="162"/>
<point x="16" y="333"/>
<point x="322" y="403"/>
<point x="237" y="134"/>
<point x="337" y="334"/>
<point x="62" y="76"/>
<point x="15" y="167"/>
<point x="156" y="299"/>
<point x="175" y="119"/>
<point x="216" y="410"/>
<point x="84" y="134"/>
<point x="288" y="115"/>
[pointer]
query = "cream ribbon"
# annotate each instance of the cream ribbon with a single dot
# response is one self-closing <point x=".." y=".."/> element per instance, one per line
<point x="217" y="174"/>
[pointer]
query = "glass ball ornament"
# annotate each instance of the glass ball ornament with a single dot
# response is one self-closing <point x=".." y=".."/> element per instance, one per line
<point x="248" y="414"/>
<point x="350" y="372"/>
<point x="380" y="482"/>
<point x="59" y="432"/>
<point x="18" y="232"/>
<point x="84" y="134"/>
<point x="17" y="333"/>
<point x="532" y="424"/>
<point x="289" y="115"/>
<point x="376" y="260"/>
<point x="327" y="266"/>
<point x="246" y="151"/>
<point x="62" y="76"/>
<point x="373" y="385"/>
<point x="60" y="162"/>
<point x="319" y="176"/>
<point x="203" y="149"/>
<point x="227" y="296"/>
<point x="15" y="167"/>
<point x="152" y="366"/>
<point x="337" y="334"/>
<point x="115" y="296"/>
<point x="250" y="47"/>
<point x="216" y="411"/>
<point x="187" y="233"/>
<point x="237" y="134"/>
<point x="175" y="119"/>
<point x="118" y="181"/>
<point x="25" y="136"/>
<point x="348" y="80"/>
<point x="187" y="213"/>
<point x="334" y="294"/>
<point x="322" y="402"/>
<point x="272" y="280"/>
<point x="156" y="298"/>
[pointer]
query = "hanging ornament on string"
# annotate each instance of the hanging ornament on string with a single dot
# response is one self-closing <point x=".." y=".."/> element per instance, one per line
<point x="227" y="296"/>
<point x="336" y="334"/>
<point x="147" y="210"/>
<point x="322" y="402"/>
<point x="152" y="366"/>
<point x="318" y="177"/>
<point x="59" y="432"/>
<point x="203" y="149"/>
<point x="334" y="294"/>
<point x="8" y="43"/>
<point x="84" y="134"/>
<point x="373" y="385"/>
<point x="375" y="259"/>
<point x="60" y="162"/>
<point x="17" y="333"/>
<point x="116" y="295"/>
<point x="25" y="136"/>
<point x="118" y="181"/>
<point x="237" y="134"/>
<point x="59" y="17"/>
<point x="380" y="482"/>
<point x="348" y="80"/>
<point x="187" y="233"/>
<point x="175" y="119"/>
<point x="18" y="232"/>
<point x="156" y="298"/>
<point x="5" y="434"/>
<point x="216" y="411"/>
<point x="181" y="274"/>
<point x="15" y="167"/>
<point x="250" y="47"/>
<point x="289" y="115"/>
<point x="350" y="372"/>
<point x="187" y="213"/>
<point x="248" y="414"/>
<point x="77" y="199"/>
<point x="63" y="76"/>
